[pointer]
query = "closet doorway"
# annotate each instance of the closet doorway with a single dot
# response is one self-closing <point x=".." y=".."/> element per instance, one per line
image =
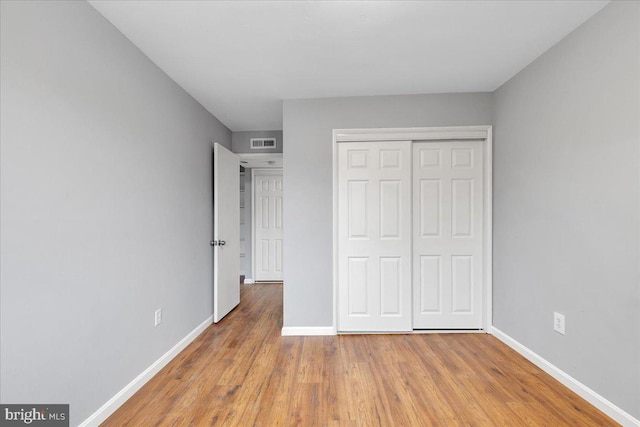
<point x="412" y="229"/>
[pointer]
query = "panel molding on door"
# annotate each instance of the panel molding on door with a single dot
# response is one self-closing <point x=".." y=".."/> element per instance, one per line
<point x="374" y="236"/>
<point x="267" y="224"/>
<point x="448" y="239"/>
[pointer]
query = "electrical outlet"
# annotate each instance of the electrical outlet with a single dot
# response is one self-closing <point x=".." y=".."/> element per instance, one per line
<point x="158" y="317"/>
<point x="558" y="323"/>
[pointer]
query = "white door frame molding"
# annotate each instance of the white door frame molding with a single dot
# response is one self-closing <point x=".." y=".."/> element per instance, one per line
<point x="254" y="172"/>
<point x="261" y="160"/>
<point x="483" y="133"/>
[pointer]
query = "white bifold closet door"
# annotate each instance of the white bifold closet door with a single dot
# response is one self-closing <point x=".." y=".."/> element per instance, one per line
<point x="374" y="207"/>
<point x="448" y="235"/>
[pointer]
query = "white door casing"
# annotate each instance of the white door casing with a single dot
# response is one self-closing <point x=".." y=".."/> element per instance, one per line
<point x="448" y="235"/>
<point x="374" y="236"/>
<point x="226" y="232"/>
<point x="267" y="224"/>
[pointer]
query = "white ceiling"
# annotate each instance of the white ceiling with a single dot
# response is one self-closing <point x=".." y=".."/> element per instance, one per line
<point x="240" y="59"/>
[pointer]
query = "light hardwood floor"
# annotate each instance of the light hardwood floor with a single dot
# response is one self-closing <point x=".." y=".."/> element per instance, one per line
<point x="241" y="372"/>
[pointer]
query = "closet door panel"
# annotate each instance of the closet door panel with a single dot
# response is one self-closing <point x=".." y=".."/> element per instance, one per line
<point x="374" y="236"/>
<point x="447" y="237"/>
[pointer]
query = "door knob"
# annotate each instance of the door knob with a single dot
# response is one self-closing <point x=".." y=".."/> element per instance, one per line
<point x="222" y="242"/>
<point x="217" y="243"/>
<point x="213" y="243"/>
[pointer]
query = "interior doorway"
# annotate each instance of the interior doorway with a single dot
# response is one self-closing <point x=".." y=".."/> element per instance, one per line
<point x="251" y="165"/>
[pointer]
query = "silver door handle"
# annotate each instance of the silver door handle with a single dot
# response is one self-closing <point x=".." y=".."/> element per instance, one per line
<point x="217" y="243"/>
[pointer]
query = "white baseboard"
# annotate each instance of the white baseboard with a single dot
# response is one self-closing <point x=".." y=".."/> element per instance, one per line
<point x="308" y="330"/>
<point x="618" y="414"/>
<point x="129" y="390"/>
<point x="249" y="281"/>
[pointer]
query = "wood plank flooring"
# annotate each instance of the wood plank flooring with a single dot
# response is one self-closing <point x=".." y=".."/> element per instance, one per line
<point x="241" y="372"/>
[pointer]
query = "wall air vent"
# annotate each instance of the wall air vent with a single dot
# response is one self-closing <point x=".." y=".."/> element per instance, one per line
<point x="262" y="143"/>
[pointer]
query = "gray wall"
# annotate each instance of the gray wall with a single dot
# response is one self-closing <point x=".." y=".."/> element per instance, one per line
<point x="105" y="207"/>
<point x="241" y="141"/>
<point x="566" y="205"/>
<point x="308" y="200"/>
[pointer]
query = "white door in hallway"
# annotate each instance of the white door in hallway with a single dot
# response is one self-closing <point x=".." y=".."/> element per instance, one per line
<point x="374" y="236"/>
<point x="268" y="224"/>
<point x="226" y="232"/>
<point x="448" y="238"/>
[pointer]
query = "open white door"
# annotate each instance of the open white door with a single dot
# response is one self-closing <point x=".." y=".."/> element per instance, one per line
<point x="226" y="231"/>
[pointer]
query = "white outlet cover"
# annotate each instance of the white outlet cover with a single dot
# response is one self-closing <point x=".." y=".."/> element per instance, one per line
<point x="558" y="323"/>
